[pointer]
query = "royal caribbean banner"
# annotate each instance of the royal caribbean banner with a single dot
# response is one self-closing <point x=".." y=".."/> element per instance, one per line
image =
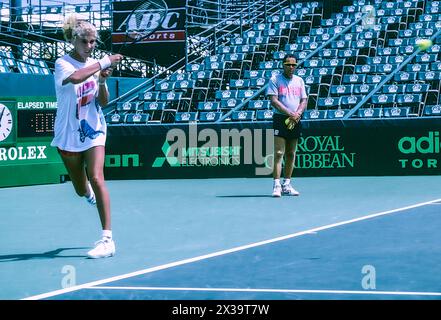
<point x="327" y="148"/>
<point x="151" y="29"/>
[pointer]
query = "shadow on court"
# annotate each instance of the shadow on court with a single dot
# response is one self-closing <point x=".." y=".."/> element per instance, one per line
<point x="45" y="255"/>
<point x="247" y="196"/>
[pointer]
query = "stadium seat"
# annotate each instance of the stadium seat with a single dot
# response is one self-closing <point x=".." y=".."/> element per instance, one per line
<point x="383" y="99"/>
<point x="148" y="96"/>
<point x="417" y="67"/>
<point x="314" y="114"/>
<point x="339" y="90"/>
<point x="393" y="88"/>
<point x="264" y="115"/>
<point x="259" y="104"/>
<point x="363" y="88"/>
<point x="137" y="118"/>
<point x="396" y="112"/>
<point x="230" y="103"/>
<point x="164" y="86"/>
<point x="243" y="115"/>
<point x="114" y="118"/>
<point x="417" y="88"/>
<point x="432" y="110"/>
<point x="354" y="78"/>
<point x="336" y="114"/>
<point x="208" y="106"/>
<point x="209" y="116"/>
<point x="127" y="107"/>
<point x="153" y="105"/>
<point x="347" y="102"/>
<point x="184" y="117"/>
<point x="329" y="102"/>
<point x="370" y="112"/>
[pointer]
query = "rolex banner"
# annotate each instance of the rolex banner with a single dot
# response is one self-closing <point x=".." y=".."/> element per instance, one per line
<point x="326" y="148"/>
<point x="151" y="29"/>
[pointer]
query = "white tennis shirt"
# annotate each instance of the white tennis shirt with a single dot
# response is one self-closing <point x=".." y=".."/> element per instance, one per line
<point x="79" y="122"/>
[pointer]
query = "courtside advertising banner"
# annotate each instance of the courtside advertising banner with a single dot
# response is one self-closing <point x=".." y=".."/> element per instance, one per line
<point x="334" y="148"/>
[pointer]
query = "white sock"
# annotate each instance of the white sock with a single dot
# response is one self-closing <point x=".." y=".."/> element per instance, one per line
<point x="91" y="193"/>
<point x="287" y="181"/>
<point x="277" y="182"/>
<point x="107" y="234"/>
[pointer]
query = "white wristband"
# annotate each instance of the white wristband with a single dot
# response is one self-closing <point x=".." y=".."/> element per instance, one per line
<point x="105" y="62"/>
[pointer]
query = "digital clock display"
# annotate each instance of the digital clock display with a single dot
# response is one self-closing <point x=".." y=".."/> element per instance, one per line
<point x="36" y="123"/>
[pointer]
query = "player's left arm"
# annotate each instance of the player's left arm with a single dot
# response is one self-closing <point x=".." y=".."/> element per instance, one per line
<point x="300" y="109"/>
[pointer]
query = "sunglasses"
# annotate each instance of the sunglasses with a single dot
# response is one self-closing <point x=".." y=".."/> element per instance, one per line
<point x="290" y="64"/>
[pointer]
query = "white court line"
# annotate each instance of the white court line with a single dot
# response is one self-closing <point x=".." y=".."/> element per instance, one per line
<point x="220" y="253"/>
<point x="407" y="293"/>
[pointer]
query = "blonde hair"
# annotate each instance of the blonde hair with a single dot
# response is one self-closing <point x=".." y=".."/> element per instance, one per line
<point x="75" y="27"/>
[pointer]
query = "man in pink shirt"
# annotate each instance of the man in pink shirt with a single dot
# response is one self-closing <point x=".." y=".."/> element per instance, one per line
<point x="288" y="96"/>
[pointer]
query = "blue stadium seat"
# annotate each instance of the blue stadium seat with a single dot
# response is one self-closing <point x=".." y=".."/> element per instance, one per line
<point x="114" y="118"/>
<point x="208" y="106"/>
<point x="354" y="78"/>
<point x="347" y="102"/>
<point x="243" y="115"/>
<point x="314" y="114"/>
<point x="432" y="110"/>
<point x="153" y="106"/>
<point x="262" y="115"/>
<point x="393" y="88"/>
<point x="259" y="104"/>
<point x="336" y="114"/>
<point x="329" y="102"/>
<point x="148" y="96"/>
<point x="209" y="116"/>
<point x="383" y="99"/>
<point x="164" y="86"/>
<point x="417" y="67"/>
<point x="137" y="118"/>
<point x="184" y="117"/>
<point x="370" y="112"/>
<point x="396" y="112"/>
<point x="184" y="84"/>
<point x="127" y="106"/>
<point x="340" y="90"/>
<point x="363" y="88"/>
<point x="230" y="103"/>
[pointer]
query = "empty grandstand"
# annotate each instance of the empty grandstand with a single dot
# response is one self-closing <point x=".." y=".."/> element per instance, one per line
<point x="354" y="65"/>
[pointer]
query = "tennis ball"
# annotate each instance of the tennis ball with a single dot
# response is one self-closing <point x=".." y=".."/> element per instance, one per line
<point x="290" y="124"/>
<point x="424" y="44"/>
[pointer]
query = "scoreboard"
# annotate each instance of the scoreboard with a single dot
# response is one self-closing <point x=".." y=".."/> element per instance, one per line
<point x="35" y="118"/>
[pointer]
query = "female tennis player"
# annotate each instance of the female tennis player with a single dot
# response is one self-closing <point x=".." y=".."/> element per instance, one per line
<point x="80" y="128"/>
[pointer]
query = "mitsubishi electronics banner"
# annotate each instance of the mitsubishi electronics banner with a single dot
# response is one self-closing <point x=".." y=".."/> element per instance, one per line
<point x="149" y="29"/>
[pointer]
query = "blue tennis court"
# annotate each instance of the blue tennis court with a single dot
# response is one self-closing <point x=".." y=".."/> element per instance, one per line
<point x="342" y="238"/>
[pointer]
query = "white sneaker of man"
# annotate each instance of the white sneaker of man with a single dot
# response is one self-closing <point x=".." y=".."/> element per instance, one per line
<point x="277" y="191"/>
<point x="103" y="248"/>
<point x="288" y="190"/>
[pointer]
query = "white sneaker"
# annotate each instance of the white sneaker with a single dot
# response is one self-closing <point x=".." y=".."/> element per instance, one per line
<point x="277" y="191"/>
<point x="103" y="248"/>
<point x="91" y="198"/>
<point x="288" y="190"/>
